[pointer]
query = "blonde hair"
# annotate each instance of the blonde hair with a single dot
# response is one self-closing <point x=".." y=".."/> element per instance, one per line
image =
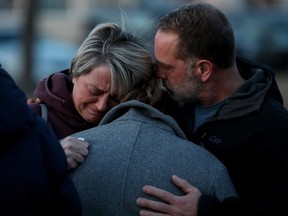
<point x="130" y="62"/>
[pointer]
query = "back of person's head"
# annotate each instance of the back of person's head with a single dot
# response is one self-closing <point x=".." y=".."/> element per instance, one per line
<point x="203" y="31"/>
<point x="15" y="115"/>
<point x="129" y="60"/>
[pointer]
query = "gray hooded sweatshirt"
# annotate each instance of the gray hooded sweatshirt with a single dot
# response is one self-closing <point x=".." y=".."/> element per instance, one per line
<point x="135" y="145"/>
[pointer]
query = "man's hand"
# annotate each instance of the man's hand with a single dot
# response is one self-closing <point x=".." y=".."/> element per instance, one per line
<point x="172" y="205"/>
<point x="76" y="149"/>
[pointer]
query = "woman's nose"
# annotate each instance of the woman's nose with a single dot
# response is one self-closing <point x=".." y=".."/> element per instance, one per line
<point x="102" y="103"/>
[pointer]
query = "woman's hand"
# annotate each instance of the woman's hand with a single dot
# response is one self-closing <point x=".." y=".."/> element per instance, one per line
<point x="76" y="149"/>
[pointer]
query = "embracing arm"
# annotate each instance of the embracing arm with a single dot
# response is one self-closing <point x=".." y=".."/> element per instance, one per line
<point x="192" y="204"/>
<point x="174" y="205"/>
<point x="75" y="149"/>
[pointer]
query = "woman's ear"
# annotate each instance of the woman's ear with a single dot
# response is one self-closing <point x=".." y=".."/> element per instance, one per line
<point x="204" y="68"/>
<point x="74" y="79"/>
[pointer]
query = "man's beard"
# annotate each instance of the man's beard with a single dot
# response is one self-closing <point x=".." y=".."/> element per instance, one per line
<point x="188" y="91"/>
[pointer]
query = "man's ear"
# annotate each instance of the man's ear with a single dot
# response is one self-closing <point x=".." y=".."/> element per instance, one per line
<point x="204" y="69"/>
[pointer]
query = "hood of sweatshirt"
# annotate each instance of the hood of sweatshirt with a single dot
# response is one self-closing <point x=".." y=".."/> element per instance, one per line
<point x="142" y="112"/>
<point x="56" y="92"/>
<point x="260" y="83"/>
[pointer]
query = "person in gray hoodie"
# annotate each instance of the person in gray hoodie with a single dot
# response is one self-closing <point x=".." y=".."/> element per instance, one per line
<point x="134" y="145"/>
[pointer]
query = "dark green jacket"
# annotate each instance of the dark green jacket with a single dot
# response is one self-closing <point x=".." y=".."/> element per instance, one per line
<point x="248" y="134"/>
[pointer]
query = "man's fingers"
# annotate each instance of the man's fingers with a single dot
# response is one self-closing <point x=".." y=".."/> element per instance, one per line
<point x="183" y="184"/>
<point x="149" y="213"/>
<point x="159" y="193"/>
<point x="155" y="205"/>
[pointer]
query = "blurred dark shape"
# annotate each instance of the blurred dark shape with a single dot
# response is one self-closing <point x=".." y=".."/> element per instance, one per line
<point x="49" y="54"/>
<point x="263" y="36"/>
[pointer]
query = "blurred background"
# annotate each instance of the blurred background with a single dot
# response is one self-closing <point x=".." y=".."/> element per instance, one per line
<point x="40" y="37"/>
